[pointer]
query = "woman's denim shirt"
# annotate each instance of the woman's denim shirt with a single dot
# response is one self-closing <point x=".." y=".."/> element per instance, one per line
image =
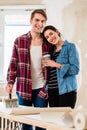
<point x="69" y="58"/>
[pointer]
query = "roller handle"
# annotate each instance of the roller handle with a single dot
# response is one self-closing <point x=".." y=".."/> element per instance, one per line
<point x="10" y="96"/>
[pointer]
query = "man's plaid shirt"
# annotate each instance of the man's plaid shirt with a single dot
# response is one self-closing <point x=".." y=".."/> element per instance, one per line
<point x="19" y="69"/>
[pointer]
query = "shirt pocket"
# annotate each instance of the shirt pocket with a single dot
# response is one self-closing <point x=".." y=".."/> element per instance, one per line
<point x="63" y="59"/>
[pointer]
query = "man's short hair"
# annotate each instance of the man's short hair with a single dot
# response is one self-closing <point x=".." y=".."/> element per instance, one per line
<point x="40" y="11"/>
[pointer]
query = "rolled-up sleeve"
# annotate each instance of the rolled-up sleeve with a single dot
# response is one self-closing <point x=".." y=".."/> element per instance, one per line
<point x="73" y="67"/>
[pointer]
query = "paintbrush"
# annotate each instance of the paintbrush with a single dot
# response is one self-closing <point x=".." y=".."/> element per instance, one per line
<point x="10" y="102"/>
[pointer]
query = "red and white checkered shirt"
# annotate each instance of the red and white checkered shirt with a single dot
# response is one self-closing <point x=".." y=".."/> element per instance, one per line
<point x="20" y="70"/>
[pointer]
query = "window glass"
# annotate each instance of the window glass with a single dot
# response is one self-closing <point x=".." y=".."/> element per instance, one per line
<point x="15" y="25"/>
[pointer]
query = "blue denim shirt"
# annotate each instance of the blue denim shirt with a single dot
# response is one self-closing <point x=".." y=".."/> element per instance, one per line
<point x="69" y="58"/>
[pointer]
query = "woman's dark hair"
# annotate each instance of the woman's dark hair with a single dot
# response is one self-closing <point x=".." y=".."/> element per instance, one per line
<point x="52" y="28"/>
<point x="45" y="40"/>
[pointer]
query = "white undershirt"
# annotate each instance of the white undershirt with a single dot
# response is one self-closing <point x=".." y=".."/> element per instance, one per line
<point x="36" y="70"/>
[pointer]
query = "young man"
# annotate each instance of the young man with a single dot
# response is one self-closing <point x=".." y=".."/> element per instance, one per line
<point x="25" y="66"/>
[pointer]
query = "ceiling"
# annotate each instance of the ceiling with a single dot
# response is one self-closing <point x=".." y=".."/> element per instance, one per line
<point x="20" y="2"/>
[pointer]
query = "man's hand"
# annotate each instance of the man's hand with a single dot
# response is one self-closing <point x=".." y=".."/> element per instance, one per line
<point x="9" y="88"/>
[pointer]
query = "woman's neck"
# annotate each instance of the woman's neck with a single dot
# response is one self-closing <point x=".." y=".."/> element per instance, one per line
<point x="59" y="45"/>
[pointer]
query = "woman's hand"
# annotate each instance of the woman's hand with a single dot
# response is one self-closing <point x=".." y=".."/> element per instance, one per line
<point x="51" y="63"/>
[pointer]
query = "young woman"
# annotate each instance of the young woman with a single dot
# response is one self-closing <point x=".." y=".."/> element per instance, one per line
<point x="62" y="69"/>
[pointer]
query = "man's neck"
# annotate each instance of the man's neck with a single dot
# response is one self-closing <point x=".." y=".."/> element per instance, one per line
<point x="35" y="35"/>
<point x="36" y="38"/>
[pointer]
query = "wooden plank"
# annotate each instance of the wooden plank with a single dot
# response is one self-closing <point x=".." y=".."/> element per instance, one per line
<point x="35" y="121"/>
